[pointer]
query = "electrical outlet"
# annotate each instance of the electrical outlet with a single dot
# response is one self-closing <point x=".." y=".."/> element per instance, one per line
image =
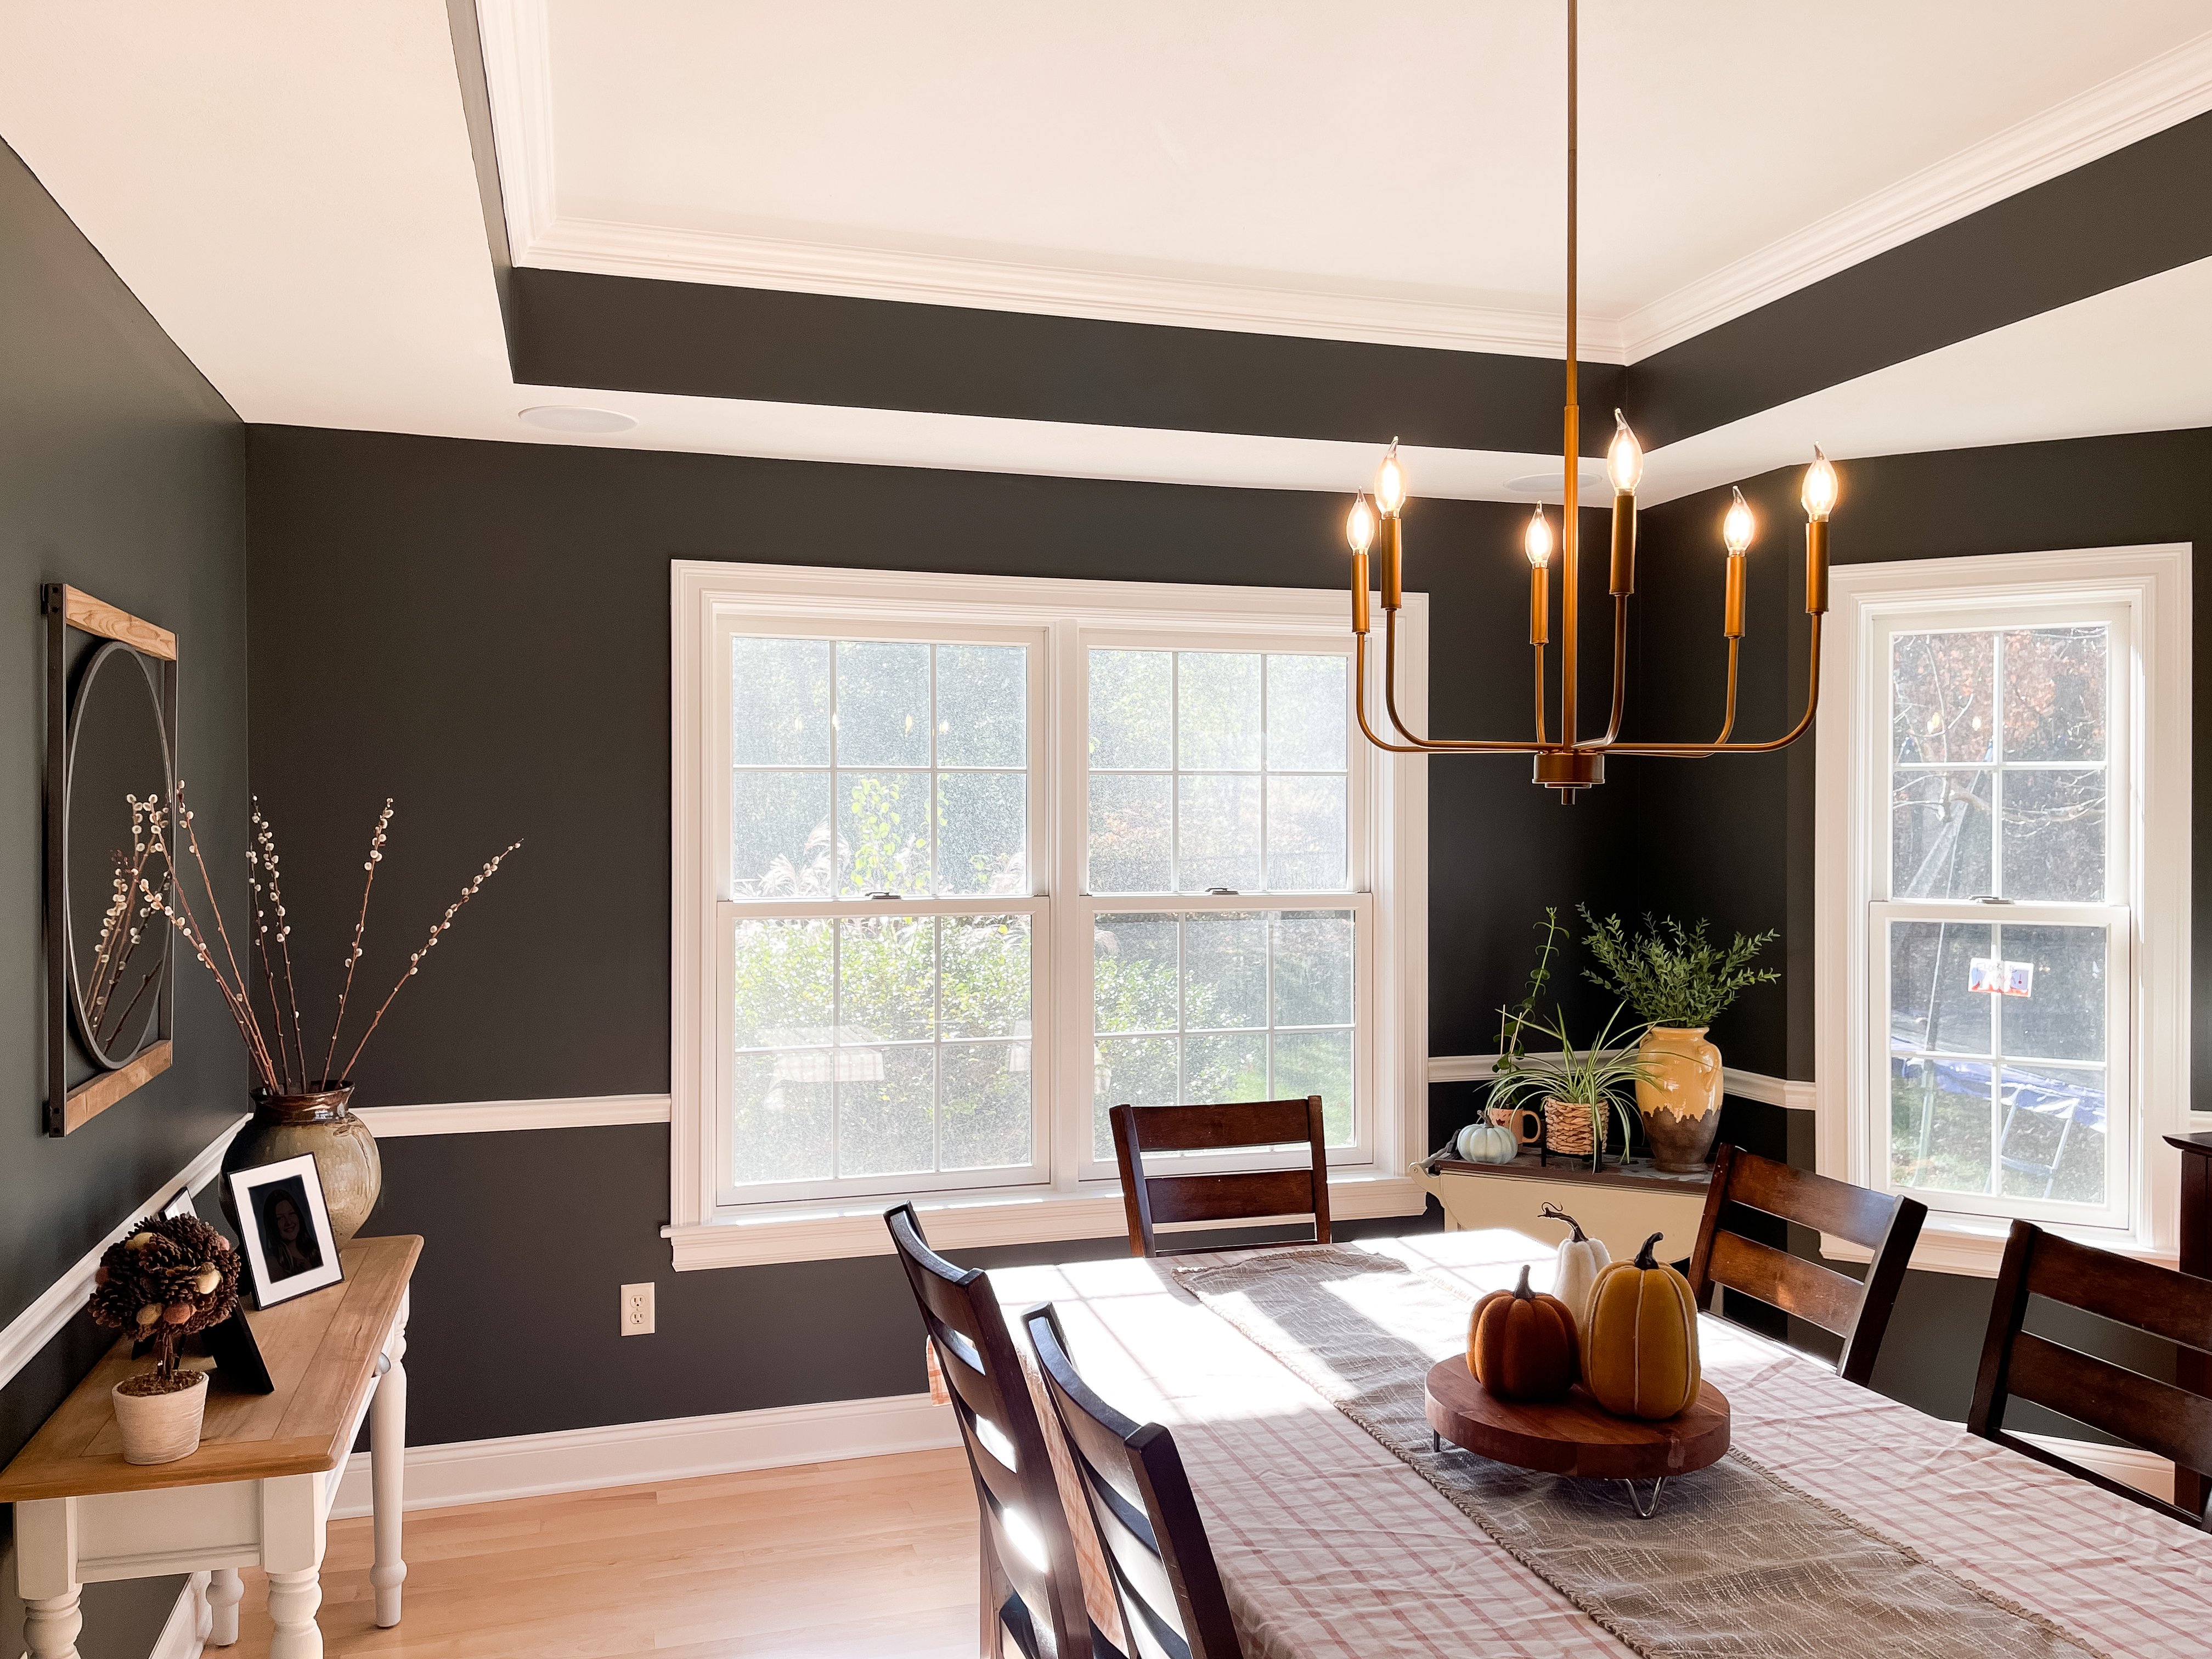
<point x="637" y="1310"/>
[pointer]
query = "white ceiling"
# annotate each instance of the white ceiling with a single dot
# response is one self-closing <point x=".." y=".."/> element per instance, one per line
<point x="1374" y="168"/>
<point x="289" y="189"/>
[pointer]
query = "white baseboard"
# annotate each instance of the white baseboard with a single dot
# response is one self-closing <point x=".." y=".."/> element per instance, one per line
<point x="672" y="1449"/>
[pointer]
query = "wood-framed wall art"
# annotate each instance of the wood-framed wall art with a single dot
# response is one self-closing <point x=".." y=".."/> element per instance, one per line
<point x="111" y="972"/>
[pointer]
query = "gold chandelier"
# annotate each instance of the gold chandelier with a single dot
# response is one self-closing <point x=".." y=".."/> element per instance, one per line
<point x="1569" y="762"/>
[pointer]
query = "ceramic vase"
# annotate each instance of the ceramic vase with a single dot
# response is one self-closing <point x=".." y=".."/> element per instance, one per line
<point x="1679" y="1096"/>
<point x="285" y="1125"/>
<point x="161" y="1428"/>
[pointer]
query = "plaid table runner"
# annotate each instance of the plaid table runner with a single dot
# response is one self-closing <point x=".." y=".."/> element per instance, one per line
<point x="1735" y="1564"/>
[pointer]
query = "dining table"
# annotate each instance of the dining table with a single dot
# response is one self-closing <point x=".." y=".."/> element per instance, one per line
<point x="1333" y="1545"/>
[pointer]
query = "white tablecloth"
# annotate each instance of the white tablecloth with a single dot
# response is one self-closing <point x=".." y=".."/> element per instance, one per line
<point x="1331" y="1548"/>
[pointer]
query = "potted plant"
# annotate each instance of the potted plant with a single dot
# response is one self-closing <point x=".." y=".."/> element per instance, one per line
<point x="1579" y="1090"/>
<point x="299" y="1102"/>
<point x="1678" y="982"/>
<point x="173" y="1276"/>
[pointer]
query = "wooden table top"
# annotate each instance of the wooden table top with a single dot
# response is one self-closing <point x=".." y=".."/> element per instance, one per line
<point x="321" y="1352"/>
<point x="1574" y="1436"/>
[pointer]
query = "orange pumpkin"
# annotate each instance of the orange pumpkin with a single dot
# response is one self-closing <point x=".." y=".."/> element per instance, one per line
<point x="1639" y="1339"/>
<point x="1521" y="1346"/>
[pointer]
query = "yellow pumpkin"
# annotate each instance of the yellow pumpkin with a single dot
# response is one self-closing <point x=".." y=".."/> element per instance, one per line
<point x="1521" y="1345"/>
<point x="1639" y="1339"/>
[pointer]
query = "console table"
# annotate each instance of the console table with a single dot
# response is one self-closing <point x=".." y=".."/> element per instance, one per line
<point x="1622" y="1204"/>
<point x="258" y="1490"/>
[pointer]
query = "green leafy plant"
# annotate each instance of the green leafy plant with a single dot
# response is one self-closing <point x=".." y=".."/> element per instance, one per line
<point x="1603" y="1077"/>
<point x="1671" y="974"/>
<point x="1513" y="1023"/>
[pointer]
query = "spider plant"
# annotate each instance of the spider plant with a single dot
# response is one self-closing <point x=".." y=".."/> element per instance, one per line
<point x="1603" y="1077"/>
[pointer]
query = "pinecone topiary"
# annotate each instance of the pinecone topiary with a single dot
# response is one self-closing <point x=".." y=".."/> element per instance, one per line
<point x="171" y="1276"/>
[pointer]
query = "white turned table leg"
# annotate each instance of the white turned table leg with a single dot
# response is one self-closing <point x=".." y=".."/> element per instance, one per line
<point x="224" y="1589"/>
<point x="387" y="1454"/>
<point x="293" y="1599"/>
<point x="51" y="1624"/>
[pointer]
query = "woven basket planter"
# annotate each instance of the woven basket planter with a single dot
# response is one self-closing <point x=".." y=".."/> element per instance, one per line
<point x="1567" y="1128"/>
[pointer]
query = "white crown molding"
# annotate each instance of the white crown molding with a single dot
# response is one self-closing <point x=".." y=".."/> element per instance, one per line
<point x="42" y="1321"/>
<point x="671" y="1448"/>
<point x="499" y="1117"/>
<point x="2168" y="90"/>
<point x="671" y="254"/>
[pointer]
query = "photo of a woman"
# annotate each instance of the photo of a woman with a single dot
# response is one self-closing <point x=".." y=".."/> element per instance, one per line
<point x="287" y="1243"/>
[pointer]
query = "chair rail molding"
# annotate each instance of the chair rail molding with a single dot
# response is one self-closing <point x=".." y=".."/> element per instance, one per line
<point x="42" y="1321"/>
<point x="498" y="1116"/>
<point x="1797" y="1095"/>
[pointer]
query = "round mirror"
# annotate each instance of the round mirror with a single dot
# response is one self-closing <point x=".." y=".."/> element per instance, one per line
<point x="119" y="945"/>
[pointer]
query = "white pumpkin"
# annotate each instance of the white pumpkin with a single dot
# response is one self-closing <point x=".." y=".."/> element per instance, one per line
<point x="1575" y="1269"/>
<point x="1487" y="1143"/>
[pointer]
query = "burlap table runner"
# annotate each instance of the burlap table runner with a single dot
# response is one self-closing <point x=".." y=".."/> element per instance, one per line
<point x="1737" y="1564"/>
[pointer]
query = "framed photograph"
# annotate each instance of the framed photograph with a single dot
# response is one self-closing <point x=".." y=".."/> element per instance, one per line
<point x="285" y="1229"/>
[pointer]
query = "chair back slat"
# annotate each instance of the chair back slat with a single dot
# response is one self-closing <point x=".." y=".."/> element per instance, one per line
<point x="1152" y="1201"/>
<point x="1855" y="1310"/>
<point x="2178" y="1307"/>
<point x="2146" y="1411"/>
<point x="1788" y="1282"/>
<point x="1163" y="1567"/>
<point x="1026" y="1529"/>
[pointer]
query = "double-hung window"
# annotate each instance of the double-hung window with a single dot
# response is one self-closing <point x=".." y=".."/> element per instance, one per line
<point x="2005" y="888"/>
<point x="962" y="863"/>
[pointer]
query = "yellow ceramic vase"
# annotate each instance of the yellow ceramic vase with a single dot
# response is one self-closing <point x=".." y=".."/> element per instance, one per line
<point x="1679" y="1096"/>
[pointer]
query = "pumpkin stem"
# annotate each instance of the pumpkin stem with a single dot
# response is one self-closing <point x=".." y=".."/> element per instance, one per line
<point x="1551" y="1211"/>
<point x="1521" y="1290"/>
<point x="1644" y="1257"/>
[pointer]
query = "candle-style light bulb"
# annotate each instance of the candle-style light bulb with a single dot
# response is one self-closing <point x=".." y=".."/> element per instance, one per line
<point x="1390" y="483"/>
<point x="1623" y="460"/>
<point x="1537" y="543"/>
<point x="1736" y="530"/>
<point x="1359" y="525"/>
<point x="1821" y="487"/>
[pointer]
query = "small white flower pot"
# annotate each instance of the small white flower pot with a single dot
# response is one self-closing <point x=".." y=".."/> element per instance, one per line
<point x="161" y="1428"/>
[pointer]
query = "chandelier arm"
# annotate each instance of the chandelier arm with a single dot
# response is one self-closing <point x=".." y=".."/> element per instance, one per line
<point x="1728" y="716"/>
<point x="1700" y="749"/>
<point x="1420" y="744"/>
<point x="1359" y="701"/>
<point x="1619" y="674"/>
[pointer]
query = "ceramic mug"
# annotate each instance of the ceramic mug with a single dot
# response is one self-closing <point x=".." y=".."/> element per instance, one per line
<point x="1526" y="1122"/>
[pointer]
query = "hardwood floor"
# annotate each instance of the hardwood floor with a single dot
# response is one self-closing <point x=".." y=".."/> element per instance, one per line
<point x="867" y="1558"/>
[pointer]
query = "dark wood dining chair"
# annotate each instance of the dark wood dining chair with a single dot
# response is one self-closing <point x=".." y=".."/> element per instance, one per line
<point x="1248" y="1195"/>
<point x="2018" y="1365"/>
<point x="1032" y="1590"/>
<point x="1148" y="1524"/>
<point x="1856" y="1311"/>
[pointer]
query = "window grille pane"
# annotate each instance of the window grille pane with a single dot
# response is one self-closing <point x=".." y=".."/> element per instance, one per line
<point x="1218" y="768"/>
<point x="1942" y="688"/>
<point x="882" y="704"/>
<point x="1984" y="1020"/>
<point x="2054" y="835"/>
<point x="2055" y="690"/>
<point x="1234" y="1005"/>
<point x="864" y="766"/>
<point x="1940" y="834"/>
<point x="880" y="1045"/>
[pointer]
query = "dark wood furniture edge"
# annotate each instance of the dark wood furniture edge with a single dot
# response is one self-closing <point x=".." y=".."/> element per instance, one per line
<point x="2192" y="1490"/>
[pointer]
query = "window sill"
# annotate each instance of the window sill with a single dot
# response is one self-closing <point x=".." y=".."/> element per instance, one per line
<point x="1971" y="1252"/>
<point x="818" y="1233"/>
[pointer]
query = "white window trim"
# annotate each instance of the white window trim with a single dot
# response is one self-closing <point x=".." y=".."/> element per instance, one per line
<point x="1397" y="1077"/>
<point x="2155" y="579"/>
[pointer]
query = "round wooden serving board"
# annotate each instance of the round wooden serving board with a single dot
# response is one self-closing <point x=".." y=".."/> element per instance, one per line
<point x="1574" y="1436"/>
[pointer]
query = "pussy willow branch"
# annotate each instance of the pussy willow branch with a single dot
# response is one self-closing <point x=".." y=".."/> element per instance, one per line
<point x="183" y="816"/>
<point x="177" y="908"/>
<point x="255" y="869"/>
<point x="437" y="930"/>
<point x="361" y="923"/>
